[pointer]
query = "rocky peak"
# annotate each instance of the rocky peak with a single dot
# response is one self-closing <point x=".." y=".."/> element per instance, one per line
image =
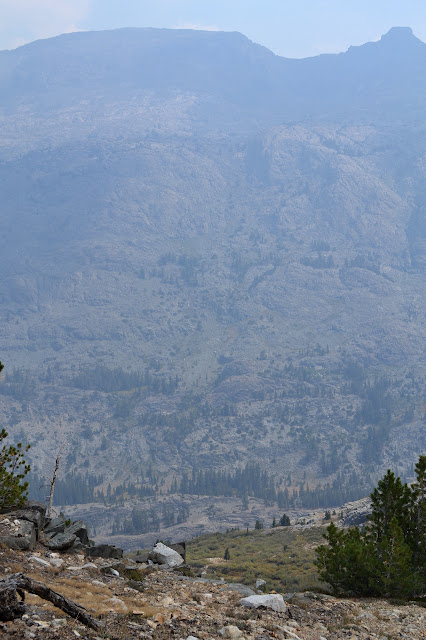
<point x="399" y="34"/>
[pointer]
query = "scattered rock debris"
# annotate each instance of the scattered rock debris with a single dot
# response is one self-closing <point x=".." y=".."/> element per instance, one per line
<point x="173" y="606"/>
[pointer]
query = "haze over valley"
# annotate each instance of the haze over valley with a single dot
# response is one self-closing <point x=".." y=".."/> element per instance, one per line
<point x="213" y="273"/>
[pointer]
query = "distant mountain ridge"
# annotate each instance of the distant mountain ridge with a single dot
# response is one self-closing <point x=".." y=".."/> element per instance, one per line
<point x="378" y="76"/>
<point x="211" y="257"/>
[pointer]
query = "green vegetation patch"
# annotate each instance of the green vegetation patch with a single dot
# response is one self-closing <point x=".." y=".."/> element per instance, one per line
<point x="282" y="557"/>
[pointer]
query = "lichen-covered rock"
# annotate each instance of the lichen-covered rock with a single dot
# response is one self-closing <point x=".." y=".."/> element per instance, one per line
<point x="273" y="601"/>
<point x="17" y="534"/>
<point x="29" y="515"/>
<point x="161" y="554"/>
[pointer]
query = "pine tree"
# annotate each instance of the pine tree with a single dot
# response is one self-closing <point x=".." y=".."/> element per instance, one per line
<point x="227" y="555"/>
<point x="347" y="562"/>
<point x="395" y="569"/>
<point x="13" y="469"/>
<point x="284" y="520"/>
<point x="419" y="522"/>
<point x="390" y="500"/>
<point x="386" y="558"/>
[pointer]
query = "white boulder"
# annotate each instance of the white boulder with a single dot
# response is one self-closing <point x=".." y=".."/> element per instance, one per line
<point x="272" y="601"/>
<point x="161" y="554"/>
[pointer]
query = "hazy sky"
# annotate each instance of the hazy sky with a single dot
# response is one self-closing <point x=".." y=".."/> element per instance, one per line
<point x="293" y="28"/>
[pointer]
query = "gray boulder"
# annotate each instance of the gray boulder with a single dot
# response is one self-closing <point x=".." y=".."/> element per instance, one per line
<point x="61" y="541"/>
<point x="104" y="551"/>
<point x="79" y="529"/>
<point x="141" y="558"/>
<point x="242" y="589"/>
<point x="161" y="554"/>
<point x="77" y="547"/>
<point x="29" y="515"/>
<point x="54" y="526"/>
<point x="36" y="505"/>
<point x="18" y="534"/>
<point x="33" y="511"/>
<point x="272" y="601"/>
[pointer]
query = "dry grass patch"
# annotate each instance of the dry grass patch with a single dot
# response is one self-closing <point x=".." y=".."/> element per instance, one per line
<point x="216" y="561"/>
<point x="86" y="594"/>
<point x="98" y="600"/>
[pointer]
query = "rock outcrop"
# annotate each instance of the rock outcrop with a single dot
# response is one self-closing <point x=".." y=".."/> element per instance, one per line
<point x="22" y="528"/>
<point x="356" y="513"/>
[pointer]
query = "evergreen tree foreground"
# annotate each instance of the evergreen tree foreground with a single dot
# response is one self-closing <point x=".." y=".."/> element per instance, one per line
<point x="387" y="558"/>
<point x="13" y="469"/>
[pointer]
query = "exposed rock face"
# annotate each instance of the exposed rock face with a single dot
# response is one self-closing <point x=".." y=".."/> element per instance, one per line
<point x="161" y="554"/>
<point x="273" y="601"/>
<point x="294" y="238"/>
<point x="356" y="513"/>
<point x="180" y="547"/>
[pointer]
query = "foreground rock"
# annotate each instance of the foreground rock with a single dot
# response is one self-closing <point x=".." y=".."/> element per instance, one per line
<point x="61" y="541"/>
<point x="18" y="534"/>
<point x="29" y="514"/>
<point x="273" y="601"/>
